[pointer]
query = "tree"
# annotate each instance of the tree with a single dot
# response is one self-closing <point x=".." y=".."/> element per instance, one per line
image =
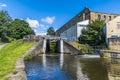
<point x="51" y="31"/>
<point x="19" y="28"/>
<point x="12" y="29"/>
<point x="93" y="35"/>
<point x="5" y="21"/>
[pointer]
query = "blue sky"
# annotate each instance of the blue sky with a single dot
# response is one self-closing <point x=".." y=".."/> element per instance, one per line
<point x="41" y="14"/>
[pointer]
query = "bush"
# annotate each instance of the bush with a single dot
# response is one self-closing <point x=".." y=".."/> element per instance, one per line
<point x="7" y="39"/>
<point x="86" y="49"/>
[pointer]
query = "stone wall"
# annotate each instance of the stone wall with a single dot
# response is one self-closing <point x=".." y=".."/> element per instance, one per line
<point x="114" y="43"/>
<point x="110" y="54"/>
<point x="31" y="38"/>
<point x="103" y="16"/>
<point x="68" y="48"/>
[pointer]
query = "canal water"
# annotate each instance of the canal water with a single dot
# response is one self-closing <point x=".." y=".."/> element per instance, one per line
<point x="69" y="67"/>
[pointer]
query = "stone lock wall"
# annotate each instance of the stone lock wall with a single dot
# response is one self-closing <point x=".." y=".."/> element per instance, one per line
<point x="67" y="48"/>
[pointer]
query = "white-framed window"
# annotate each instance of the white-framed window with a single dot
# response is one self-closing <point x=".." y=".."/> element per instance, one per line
<point x="118" y="25"/>
<point x="114" y="36"/>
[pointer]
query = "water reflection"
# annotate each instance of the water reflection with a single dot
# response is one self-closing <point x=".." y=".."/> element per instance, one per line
<point x="44" y="60"/>
<point x="61" y="60"/>
<point x="114" y="69"/>
<point x="79" y="73"/>
<point x="68" y="67"/>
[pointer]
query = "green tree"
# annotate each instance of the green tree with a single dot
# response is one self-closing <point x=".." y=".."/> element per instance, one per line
<point x="5" y="21"/>
<point x="51" y="31"/>
<point x="93" y="34"/>
<point x="19" y="28"/>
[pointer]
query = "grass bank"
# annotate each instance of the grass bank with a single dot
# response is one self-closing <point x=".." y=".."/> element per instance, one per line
<point x="85" y="49"/>
<point x="1" y="43"/>
<point x="10" y="54"/>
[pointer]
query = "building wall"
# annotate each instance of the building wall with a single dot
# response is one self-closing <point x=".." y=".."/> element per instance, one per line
<point x="80" y="26"/>
<point x="74" y="31"/>
<point x="70" y="34"/>
<point x="103" y="16"/>
<point x="114" y="43"/>
<point x="85" y="14"/>
<point x="113" y="28"/>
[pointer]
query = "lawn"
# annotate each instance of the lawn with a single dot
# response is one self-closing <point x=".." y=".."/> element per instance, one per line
<point x="10" y="54"/>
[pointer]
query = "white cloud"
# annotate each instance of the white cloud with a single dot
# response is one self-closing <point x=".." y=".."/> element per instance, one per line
<point x="43" y="27"/>
<point x="3" y="5"/>
<point x="33" y="23"/>
<point x="39" y="33"/>
<point x="48" y="19"/>
<point x="56" y="29"/>
<point x="42" y="33"/>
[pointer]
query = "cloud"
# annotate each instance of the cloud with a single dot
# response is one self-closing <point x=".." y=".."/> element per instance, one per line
<point x="39" y="33"/>
<point x="48" y="19"/>
<point x="33" y="23"/>
<point x="56" y="29"/>
<point x="3" y="5"/>
<point x="43" y="27"/>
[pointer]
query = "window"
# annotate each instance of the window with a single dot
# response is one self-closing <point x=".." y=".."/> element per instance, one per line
<point x="118" y="25"/>
<point x="114" y="36"/>
<point x="99" y="17"/>
<point x="104" y="17"/>
<point x="114" y="16"/>
<point x="109" y="18"/>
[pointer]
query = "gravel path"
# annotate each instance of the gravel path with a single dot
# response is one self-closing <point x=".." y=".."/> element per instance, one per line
<point x="3" y="45"/>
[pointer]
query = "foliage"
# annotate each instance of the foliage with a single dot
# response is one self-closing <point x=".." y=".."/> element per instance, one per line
<point x="51" y="31"/>
<point x="102" y="55"/>
<point x="93" y="34"/>
<point x="85" y="49"/>
<point x="12" y="29"/>
<point x="19" y="28"/>
<point x="5" y="21"/>
<point x="10" y="54"/>
<point x="52" y="47"/>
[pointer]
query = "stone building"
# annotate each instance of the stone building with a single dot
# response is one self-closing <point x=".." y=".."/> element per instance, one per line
<point x="112" y="30"/>
<point x="70" y="30"/>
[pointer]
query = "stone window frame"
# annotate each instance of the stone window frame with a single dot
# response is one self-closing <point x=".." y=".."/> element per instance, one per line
<point x="99" y="17"/>
<point x="115" y="16"/>
<point x="104" y="17"/>
<point x="110" y="18"/>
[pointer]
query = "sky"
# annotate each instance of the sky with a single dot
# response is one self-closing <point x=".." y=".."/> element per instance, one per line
<point x="42" y="14"/>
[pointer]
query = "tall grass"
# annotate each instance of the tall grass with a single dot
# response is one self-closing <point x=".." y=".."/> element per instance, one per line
<point x="10" y="54"/>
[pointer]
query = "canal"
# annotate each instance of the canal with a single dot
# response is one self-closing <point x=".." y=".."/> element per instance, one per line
<point x="69" y="67"/>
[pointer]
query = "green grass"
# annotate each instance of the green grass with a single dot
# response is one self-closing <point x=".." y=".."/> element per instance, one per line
<point x="10" y="54"/>
<point x="1" y="43"/>
<point x="76" y="45"/>
<point x="85" y="49"/>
